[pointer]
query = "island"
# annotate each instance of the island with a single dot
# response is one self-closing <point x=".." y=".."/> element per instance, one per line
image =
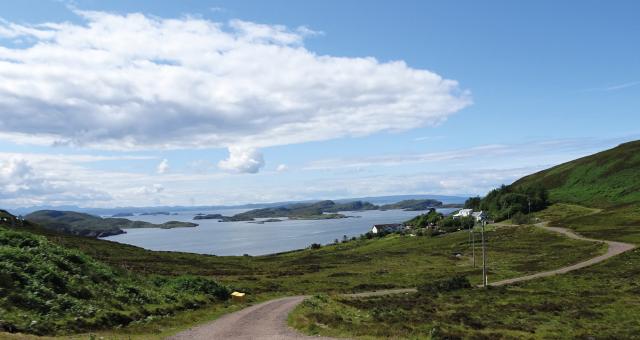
<point x="413" y="205"/>
<point x="82" y="224"/>
<point x="321" y="210"/>
<point x="123" y="214"/>
<point x="156" y="213"/>
<point x="209" y="217"/>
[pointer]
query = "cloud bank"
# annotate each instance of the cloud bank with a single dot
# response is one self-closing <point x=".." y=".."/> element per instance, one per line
<point x="132" y="82"/>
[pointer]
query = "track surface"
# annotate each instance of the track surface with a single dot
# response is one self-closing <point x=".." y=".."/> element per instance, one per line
<point x="614" y="248"/>
<point x="268" y="320"/>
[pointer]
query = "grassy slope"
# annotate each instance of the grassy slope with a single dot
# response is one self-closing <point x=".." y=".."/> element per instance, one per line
<point x="45" y="288"/>
<point x="606" y="179"/>
<point x="602" y="301"/>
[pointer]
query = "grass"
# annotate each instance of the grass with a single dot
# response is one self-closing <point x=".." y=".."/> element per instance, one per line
<point x="601" y="302"/>
<point x="48" y="289"/>
<point x="157" y="327"/>
<point x="618" y="223"/>
<point x="598" y="302"/>
<point x="606" y="179"/>
<point x="362" y="265"/>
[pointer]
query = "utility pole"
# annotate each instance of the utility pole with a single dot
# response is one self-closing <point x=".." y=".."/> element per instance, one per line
<point x="529" y="201"/>
<point x="484" y="259"/>
<point x="473" y="247"/>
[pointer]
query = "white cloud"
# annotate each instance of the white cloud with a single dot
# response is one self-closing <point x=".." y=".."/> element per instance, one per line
<point x="163" y="167"/>
<point x="139" y="82"/>
<point x="282" y="168"/>
<point x="22" y="184"/>
<point x="148" y="190"/>
<point x="242" y="160"/>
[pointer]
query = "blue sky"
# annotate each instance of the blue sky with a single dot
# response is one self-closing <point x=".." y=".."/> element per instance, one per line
<point x="534" y="85"/>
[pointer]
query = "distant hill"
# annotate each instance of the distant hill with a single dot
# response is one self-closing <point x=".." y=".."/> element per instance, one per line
<point x="378" y="200"/>
<point x="81" y="224"/>
<point x="413" y="205"/>
<point x="605" y="179"/>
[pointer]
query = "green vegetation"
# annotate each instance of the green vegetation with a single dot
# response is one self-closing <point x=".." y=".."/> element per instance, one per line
<point x="606" y="179"/>
<point x="413" y="205"/>
<point x="602" y="301"/>
<point x="47" y="289"/>
<point x="356" y="265"/>
<point x="307" y="211"/>
<point x="507" y="201"/>
<point x="76" y="223"/>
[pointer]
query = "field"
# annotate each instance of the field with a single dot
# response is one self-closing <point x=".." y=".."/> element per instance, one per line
<point x="599" y="302"/>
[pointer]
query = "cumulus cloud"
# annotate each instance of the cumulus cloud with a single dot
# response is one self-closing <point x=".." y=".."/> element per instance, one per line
<point x="139" y="82"/>
<point x="22" y="184"/>
<point x="163" y="167"/>
<point x="242" y="160"/>
<point x="282" y="168"/>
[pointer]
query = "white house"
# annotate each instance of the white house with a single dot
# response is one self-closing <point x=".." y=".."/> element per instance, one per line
<point x="387" y="228"/>
<point x="479" y="216"/>
<point x="463" y="213"/>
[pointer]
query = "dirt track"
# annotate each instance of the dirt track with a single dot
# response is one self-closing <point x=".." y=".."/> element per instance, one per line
<point x="614" y="248"/>
<point x="268" y="320"/>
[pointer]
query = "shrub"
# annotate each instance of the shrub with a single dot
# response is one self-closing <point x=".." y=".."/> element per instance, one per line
<point x="446" y="285"/>
<point x="520" y="218"/>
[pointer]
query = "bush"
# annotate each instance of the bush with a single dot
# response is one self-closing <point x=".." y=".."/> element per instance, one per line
<point x="520" y="218"/>
<point x="47" y="289"/>
<point x="447" y="285"/>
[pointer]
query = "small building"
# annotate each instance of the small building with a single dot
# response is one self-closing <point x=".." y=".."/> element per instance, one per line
<point x="387" y="228"/>
<point x="463" y="213"/>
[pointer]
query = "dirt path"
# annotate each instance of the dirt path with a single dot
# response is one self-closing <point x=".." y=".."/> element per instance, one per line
<point x="268" y="320"/>
<point x="614" y="248"/>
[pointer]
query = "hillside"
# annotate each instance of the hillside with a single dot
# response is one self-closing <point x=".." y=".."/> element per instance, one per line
<point x="605" y="179"/>
<point x="47" y="289"/>
<point x="81" y="224"/>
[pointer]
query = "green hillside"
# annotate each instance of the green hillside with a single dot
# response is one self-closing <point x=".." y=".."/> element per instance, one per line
<point x="46" y="289"/>
<point x="81" y="224"/>
<point x="605" y="179"/>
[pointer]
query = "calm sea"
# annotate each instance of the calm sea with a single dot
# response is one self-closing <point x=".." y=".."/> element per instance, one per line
<point x="238" y="238"/>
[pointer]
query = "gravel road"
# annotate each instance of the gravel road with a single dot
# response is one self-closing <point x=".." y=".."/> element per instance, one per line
<point x="265" y="321"/>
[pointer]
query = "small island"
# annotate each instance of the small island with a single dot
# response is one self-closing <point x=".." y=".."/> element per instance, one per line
<point x="156" y="213"/>
<point x="123" y="214"/>
<point x="209" y="217"/>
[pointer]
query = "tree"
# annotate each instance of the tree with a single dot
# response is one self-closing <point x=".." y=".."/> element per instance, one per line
<point x="473" y="203"/>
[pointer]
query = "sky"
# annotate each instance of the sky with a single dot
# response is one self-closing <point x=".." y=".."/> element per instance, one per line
<point x="120" y="103"/>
